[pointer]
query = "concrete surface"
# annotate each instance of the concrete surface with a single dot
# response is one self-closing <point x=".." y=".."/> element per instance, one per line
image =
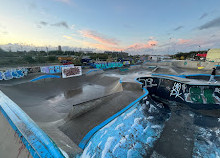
<point x="11" y="145"/>
<point x="67" y="109"/>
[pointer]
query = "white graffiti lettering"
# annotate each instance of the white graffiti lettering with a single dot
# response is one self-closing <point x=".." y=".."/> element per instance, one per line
<point x="217" y="90"/>
<point x="149" y="82"/>
<point x="184" y="88"/>
<point x="176" y="90"/>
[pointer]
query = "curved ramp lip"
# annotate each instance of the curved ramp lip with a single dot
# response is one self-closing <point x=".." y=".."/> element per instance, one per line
<point x="89" y="135"/>
<point x="44" y="76"/>
<point x="35" y="139"/>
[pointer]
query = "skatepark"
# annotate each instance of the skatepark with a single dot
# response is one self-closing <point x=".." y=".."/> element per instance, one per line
<point x="153" y="110"/>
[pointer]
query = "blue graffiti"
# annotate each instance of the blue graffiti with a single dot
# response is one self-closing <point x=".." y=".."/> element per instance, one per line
<point x="54" y="69"/>
<point x="51" y="68"/>
<point x="1" y="75"/>
<point x="107" y="65"/>
<point x="14" y="73"/>
<point x="8" y="75"/>
<point x="57" y="69"/>
<point x="20" y="73"/>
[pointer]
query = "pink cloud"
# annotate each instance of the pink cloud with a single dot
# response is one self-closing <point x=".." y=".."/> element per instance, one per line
<point x="98" y="37"/>
<point x="149" y="44"/>
<point x="101" y="46"/>
<point x="183" y="41"/>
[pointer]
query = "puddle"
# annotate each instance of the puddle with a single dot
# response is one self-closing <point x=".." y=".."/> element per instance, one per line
<point x="87" y="92"/>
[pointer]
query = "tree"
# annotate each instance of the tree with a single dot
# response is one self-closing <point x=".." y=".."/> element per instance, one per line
<point x="52" y="58"/>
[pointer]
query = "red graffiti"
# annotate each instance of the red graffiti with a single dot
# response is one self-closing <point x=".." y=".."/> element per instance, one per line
<point x="71" y="71"/>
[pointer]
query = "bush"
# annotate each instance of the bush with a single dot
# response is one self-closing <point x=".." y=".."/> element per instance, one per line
<point x="52" y="58"/>
<point x="28" y="59"/>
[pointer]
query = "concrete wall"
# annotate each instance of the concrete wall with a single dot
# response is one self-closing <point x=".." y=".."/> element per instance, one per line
<point x="194" y="64"/>
<point x="198" y="96"/>
<point x="213" y="55"/>
<point x="187" y="64"/>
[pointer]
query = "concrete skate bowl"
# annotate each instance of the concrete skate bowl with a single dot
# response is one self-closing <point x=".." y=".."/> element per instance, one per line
<point x="67" y="109"/>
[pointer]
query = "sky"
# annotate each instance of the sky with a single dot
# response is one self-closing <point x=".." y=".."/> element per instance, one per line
<point x="133" y="26"/>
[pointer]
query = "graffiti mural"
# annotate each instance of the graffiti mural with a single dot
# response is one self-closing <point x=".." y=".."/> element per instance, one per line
<point x="33" y="69"/>
<point x="71" y="71"/>
<point x="147" y="82"/>
<point x="126" y="62"/>
<point x="53" y="69"/>
<point x="13" y="73"/>
<point x="108" y="65"/>
<point x="1" y="75"/>
<point x="182" y="92"/>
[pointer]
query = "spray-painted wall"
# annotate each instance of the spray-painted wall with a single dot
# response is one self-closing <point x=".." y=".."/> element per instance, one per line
<point x="13" y="73"/>
<point x="187" y="64"/>
<point x="197" y="96"/>
<point x="107" y="65"/>
<point x="53" y="69"/>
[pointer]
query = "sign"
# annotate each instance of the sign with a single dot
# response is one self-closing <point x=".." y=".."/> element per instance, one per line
<point x="71" y="71"/>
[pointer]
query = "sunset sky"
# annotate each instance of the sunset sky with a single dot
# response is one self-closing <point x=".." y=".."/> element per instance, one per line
<point x="134" y="26"/>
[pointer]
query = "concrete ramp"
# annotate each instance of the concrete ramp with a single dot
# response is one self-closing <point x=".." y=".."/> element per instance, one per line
<point x="10" y="143"/>
<point x="67" y="109"/>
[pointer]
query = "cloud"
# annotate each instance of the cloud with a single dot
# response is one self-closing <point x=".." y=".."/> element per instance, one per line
<point x="203" y="16"/>
<point x="183" y="41"/>
<point x="149" y="44"/>
<point x="100" y="46"/>
<point x="72" y="27"/>
<point x="64" y="1"/>
<point x="67" y="37"/>
<point x="43" y="23"/>
<point x="211" y="24"/>
<point x="98" y="37"/>
<point x="178" y="28"/>
<point x="61" y="24"/>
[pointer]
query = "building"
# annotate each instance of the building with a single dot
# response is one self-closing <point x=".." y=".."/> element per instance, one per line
<point x="59" y="48"/>
<point x="213" y="55"/>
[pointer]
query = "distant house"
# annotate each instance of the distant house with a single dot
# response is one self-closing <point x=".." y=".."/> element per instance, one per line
<point x="65" y="60"/>
<point x="213" y="55"/>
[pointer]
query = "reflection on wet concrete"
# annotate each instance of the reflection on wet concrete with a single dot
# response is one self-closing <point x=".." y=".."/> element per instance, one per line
<point x="82" y="94"/>
<point x="71" y="93"/>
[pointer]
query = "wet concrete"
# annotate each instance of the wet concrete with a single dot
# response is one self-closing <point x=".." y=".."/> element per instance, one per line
<point x="49" y="103"/>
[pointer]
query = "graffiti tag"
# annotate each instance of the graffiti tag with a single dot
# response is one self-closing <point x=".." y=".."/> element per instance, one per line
<point x="217" y="90"/>
<point x="176" y="90"/>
